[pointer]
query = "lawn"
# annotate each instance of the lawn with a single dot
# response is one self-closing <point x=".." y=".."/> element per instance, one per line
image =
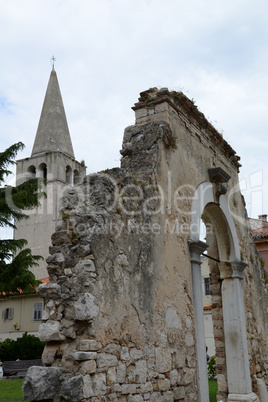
<point x="213" y="389"/>
<point x="10" y="390"/>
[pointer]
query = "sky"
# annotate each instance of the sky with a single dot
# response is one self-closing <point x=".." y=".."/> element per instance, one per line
<point x="108" y="51"/>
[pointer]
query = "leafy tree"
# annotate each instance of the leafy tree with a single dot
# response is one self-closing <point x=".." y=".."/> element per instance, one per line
<point x="15" y="260"/>
<point x="26" y="348"/>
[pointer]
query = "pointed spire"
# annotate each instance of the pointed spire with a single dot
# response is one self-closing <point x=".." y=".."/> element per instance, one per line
<point x="53" y="132"/>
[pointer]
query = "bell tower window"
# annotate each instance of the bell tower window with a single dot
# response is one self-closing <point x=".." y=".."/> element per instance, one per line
<point x="76" y="177"/>
<point x="42" y="170"/>
<point x="69" y="175"/>
<point x="31" y="172"/>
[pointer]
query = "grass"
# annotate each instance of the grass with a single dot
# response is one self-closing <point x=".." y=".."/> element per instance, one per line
<point x="10" y="390"/>
<point x="213" y="389"/>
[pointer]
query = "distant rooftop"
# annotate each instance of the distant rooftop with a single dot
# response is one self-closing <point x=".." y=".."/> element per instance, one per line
<point x="259" y="227"/>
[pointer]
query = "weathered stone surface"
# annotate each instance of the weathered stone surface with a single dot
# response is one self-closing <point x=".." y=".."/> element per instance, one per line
<point x="179" y="393"/>
<point x="162" y="360"/>
<point x="50" y="331"/>
<point x="99" y="384"/>
<point x="79" y="356"/>
<point x="85" y="308"/>
<point x="72" y="389"/>
<point x="49" y="354"/>
<point x="89" y="345"/>
<point x="121" y="372"/>
<point x="126" y="290"/>
<point x="172" y="319"/>
<point x="86" y="265"/>
<point x="141" y="371"/>
<point x="106" y="360"/>
<point x="88" y="367"/>
<point x="129" y="388"/>
<point x="51" y="289"/>
<point x="111" y="375"/>
<point x="136" y="354"/>
<point x="41" y="383"/>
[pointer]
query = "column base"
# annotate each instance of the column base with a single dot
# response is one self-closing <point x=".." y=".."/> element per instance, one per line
<point x="243" y="397"/>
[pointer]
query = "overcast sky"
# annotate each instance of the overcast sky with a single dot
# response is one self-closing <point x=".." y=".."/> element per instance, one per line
<point x="108" y="51"/>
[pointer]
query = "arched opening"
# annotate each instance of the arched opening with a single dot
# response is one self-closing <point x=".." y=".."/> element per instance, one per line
<point x="31" y="172"/>
<point x="77" y="178"/>
<point x="226" y="274"/>
<point x="69" y="175"/>
<point x="42" y="170"/>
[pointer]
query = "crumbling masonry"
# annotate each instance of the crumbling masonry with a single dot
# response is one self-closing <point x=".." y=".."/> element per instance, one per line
<point x="123" y="317"/>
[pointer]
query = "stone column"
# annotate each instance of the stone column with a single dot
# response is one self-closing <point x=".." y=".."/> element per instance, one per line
<point x="235" y="333"/>
<point x="196" y="249"/>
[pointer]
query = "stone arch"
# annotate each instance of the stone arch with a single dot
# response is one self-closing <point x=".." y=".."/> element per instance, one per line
<point x="216" y="213"/>
<point x="69" y="175"/>
<point x="77" y="178"/>
<point x="31" y="172"/>
<point x="42" y="170"/>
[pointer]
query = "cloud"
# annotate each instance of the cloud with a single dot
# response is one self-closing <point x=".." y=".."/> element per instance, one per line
<point x="108" y="51"/>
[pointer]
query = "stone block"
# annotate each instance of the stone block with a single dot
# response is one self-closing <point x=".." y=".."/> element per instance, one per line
<point x="188" y="375"/>
<point x="111" y="375"/>
<point x="50" y="331"/>
<point x="141" y="371"/>
<point x="117" y="388"/>
<point x="189" y="339"/>
<point x="89" y="345"/>
<point x="80" y="356"/>
<point x="147" y="387"/>
<point x="72" y="389"/>
<point x="163" y="384"/>
<point x="135" y="398"/>
<point x="112" y="348"/>
<point x="136" y="354"/>
<point x="87" y="387"/>
<point x="129" y="389"/>
<point x="179" y="393"/>
<point x="41" y="383"/>
<point x="140" y="113"/>
<point x="173" y="321"/>
<point x="163" y="361"/>
<point x="106" y="360"/>
<point x="222" y="384"/>
<point x="125" y="354"/>
<point x="85" y="308"/>
<point x="149" y="351"/>
<point x="121" y="372"/>
<point x="51" y="289"/>
<point x="86" y="265"/>
<point x="173" y="376"/>
<point x="161" y="107"/>
<point x="49" y="353"/>
<point x="88" y="367"/>
<point x="168" y="396"/>
<point x="99" y="384"/>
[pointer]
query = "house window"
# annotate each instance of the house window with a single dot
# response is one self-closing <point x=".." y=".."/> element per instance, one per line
<point x="207" y="286"/>
<point x="8" y="313"/>
<point x="37" y="311"/>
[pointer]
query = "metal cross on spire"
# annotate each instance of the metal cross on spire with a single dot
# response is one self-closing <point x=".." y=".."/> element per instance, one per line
<point x="53" y="59"/>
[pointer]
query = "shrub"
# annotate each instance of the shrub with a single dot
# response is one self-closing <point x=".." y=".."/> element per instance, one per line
<point x="211" y="368"/>
<point x="25" y="348"/>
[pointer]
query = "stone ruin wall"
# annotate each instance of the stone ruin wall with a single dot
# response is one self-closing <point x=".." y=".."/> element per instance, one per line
<point x="118" y="321"/>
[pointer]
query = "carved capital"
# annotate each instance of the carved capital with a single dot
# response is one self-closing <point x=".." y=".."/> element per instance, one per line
<point x="232" y="270"/>
<point x="196" y="249"/>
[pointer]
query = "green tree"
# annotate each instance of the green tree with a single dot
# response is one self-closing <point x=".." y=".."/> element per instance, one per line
<point x="15" y="260"/>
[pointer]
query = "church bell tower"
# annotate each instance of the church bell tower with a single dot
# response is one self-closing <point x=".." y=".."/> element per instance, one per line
<point x="52" y="158"/>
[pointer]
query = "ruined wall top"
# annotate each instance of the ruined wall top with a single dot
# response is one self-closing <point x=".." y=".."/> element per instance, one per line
<point x="162" y="102"/>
